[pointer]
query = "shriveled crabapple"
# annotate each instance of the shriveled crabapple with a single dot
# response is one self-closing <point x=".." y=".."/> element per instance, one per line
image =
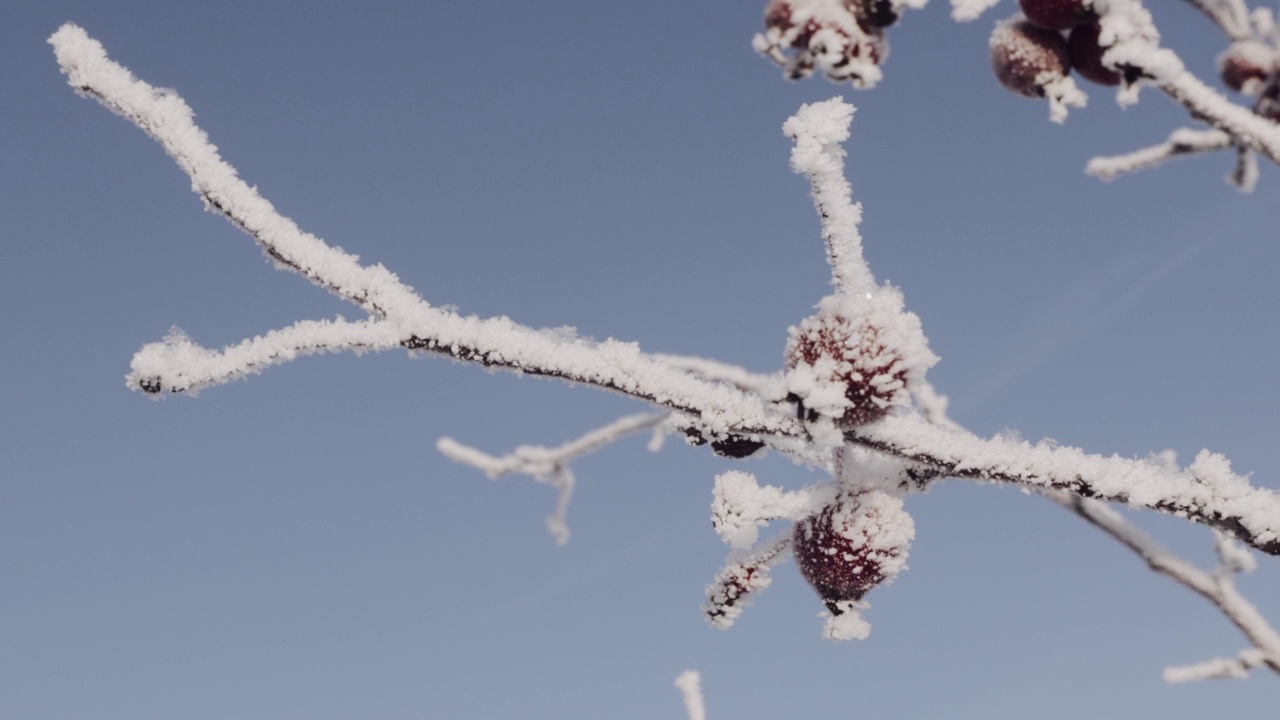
<point x="1057" y="14"/>
<point x="841" y="38"/>
<point x="852" y="545"/>
<point x="1086" y="55"/>
<point x="1245" y="65"/>
<point x="1026" y="57"/>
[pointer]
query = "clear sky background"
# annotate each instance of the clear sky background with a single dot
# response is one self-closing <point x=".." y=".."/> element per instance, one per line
<point x="294" y="547"/>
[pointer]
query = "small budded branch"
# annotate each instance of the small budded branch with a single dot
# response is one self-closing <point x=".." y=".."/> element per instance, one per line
<point x="745" y="573"/>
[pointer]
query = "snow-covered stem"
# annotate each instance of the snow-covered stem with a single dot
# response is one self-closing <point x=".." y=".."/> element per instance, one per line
<point x="409" y="321"/>
<point x="1182" y="142"/>
<point x="743" y="575"/>
<point x="550" y="465"/>
<point x="1206" y="492"/>
<point x="690" y="684"/>
<point x="1218" y="587"/>
<point x="819" y="131"/>
<point x="177" y="364"/>
<point x="1245" y="127"/>
<point x="1236" y="668"/>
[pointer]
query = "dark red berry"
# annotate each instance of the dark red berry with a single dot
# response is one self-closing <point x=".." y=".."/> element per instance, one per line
<point x="1086" y="55"/>
<point x="736" y="446"/>
<point x="1245" y="65"/>
<point x="851" y="357"/>
<point x="1056" y="14"/>
<point x="873" y="13"/>
<point x="1027" y="57"/>
<point x="852" y="545"/>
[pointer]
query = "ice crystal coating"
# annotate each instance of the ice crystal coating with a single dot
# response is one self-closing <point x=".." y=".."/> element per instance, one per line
<point x="1026" y="57"/>
<point x="852" y="545"/>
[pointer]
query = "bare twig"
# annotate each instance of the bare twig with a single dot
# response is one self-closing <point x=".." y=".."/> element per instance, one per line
<point x="550" y="465"/>
<point x="1218" y="588"/>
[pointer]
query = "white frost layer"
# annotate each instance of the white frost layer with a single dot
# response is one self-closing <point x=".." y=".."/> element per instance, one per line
<point x="1204" y="489"/>
<point x="819" y="131"/>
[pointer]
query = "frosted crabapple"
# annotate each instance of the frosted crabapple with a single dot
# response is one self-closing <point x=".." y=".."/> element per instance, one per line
<point x="851" y="357"/>
<point x="1026" y="58"/>
<point x="852" y="545"/>
<point x="1086" y="55"/>
<point x="1056" y="14"/>
<point x="854" y="359"/>
<point x="1246" y="65"/>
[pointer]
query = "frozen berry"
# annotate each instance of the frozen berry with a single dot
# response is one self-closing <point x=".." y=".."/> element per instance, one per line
<point x="736" y="446"/>
<point x="1245" y="65"/>
<point x="873" y="13"/>
<point x="1086" y="55"/>
<point x="853" y="545"/>
<point x="845" y="368"/>
<point x="1026" y="57"/>
<point x="1056" y="14"/>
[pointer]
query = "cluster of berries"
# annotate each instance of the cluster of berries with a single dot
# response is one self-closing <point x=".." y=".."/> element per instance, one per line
<point x="1027" y="55"/>
<point x="844" y="39"/>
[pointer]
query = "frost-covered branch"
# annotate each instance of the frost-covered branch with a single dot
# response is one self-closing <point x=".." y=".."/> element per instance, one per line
<point x="1182" y="142"/>
<point x="818" y="132"/>
<point x="550" y="465"/>
<point x="1246" y="128"/>
<point x="407" y="319"/>
<point x="177" y="364"/>
<point x="1206" y="492"/>
<point x="690" y="684"/>
<point x="1218" y="588"/>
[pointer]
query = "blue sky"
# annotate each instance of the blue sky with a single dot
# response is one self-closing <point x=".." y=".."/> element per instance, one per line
<point x="294" y="546"/>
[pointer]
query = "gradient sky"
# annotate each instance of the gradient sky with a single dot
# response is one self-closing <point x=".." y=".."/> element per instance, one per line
<point x="293" y="546"/>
